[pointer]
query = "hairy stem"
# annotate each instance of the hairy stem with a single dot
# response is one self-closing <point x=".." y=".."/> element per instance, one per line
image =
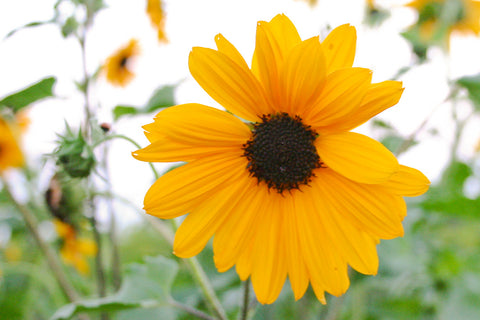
<point x="50" y="256"/>
<point x="246" y="300"/>
<point x="207" y="289"/>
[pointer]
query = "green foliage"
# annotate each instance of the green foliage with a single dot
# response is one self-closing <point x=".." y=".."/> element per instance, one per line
<point x="21" y="99"/>
<point x="163" y="97"/>
<point x="145" y="285"/>
<point x="472" y="85"/>
<point x="448" y="196"/>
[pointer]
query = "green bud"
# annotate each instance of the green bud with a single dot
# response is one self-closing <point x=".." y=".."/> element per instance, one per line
<point x="74" y="155"/>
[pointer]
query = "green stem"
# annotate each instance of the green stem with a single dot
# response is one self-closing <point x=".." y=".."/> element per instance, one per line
<point x="246" y="300"/>
<point x="205" y="285"/>
<point x="52" y="259"/>
<point x="197" y="313"/>
<point x="112" y="232"/>
<point x="121" y="136"/>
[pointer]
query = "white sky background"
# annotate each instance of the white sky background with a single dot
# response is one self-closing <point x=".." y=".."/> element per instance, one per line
<point x="38" y="52"/>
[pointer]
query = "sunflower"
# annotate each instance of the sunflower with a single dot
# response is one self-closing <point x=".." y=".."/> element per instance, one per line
<point x="117" y="67"/>
<point x="290" y="190"/>
<point x="157" y="18"/>
<point x="443" y="17"/>
<point x="74" y="250"/>
<point x="10" y="153"/>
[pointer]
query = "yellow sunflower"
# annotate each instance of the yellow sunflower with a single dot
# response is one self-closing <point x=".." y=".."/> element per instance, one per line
<point x="453" y="15"/>
<point x="74" y="250"/>
<point x="10" y="153"/>
<point x="117" y="67"/>
<point x="290" y="190"/>
<point x="157" y="18"/>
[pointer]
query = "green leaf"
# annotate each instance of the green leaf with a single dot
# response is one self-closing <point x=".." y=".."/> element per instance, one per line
<point x="28" y="25"/>
<point x="120" y="111"/>
<point x="70" y="26"/>
<point x="447" y="196"/>
<point x="27" y="96"/>
<point x="163" y="97"/>
<point x="472" y="84"/>
<point x="145" y="286"/>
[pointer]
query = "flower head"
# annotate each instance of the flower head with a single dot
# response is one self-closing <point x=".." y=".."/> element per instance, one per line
<point x="10" y="154"/>
<point x="157" y="18"/>
<point x="117" y="67"/>
<point x="290" y="190"/>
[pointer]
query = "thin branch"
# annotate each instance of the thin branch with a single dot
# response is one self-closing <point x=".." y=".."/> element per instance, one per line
<point x="407" y="143"/>
<point x="51" y="257"/>
<point x="199" y="314"/>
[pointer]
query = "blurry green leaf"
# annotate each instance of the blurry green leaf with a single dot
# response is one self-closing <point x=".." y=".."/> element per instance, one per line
<point x="472" y="84"/>
<point x="455" y="176"/>
<point x="459" y="206"/>
<point x="69" y="27"/>
<point x="120" y="111"/>
<point x="25" y="97"/>
<point x="13" y="296"/>
<point x="381" y="124"/>
<point x="419" y="46"/>
<point x="447" y="196"/>
<point x="28" y="25"/>
<point x="393" y="142"/>
<point x="163" y="97"/>
<point x="376" y="16"/>
<point x="144" y="286"/>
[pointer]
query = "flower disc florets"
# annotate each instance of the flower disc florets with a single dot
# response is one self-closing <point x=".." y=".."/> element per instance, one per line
<point x="281" y="152"/>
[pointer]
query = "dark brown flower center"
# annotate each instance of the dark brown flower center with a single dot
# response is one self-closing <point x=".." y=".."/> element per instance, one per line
<point x="281" y="152"/>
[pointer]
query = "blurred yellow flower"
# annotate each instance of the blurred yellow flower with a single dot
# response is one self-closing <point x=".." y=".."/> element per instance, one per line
<point x="447" y="16"/>
<point x="117" y="66"/>
<point x="293" y="192"/>
<point x="10" y="153"/>
<point x="13" y="253"/>
<point x="74" y="250"/>
<point x="157" y="18"/>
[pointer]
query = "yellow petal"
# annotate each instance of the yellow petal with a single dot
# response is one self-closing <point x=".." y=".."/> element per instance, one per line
<point x="225" y="47"/>
<point x="380" y="96"/>
<point x="179" y="191"/>
<point x="236" y="233"/>
<point x="339" y="47"/>
<point x="204" y="220"/>
<point x="367" y="207"/>
<point x="357" y="157"/>
<point x="229" y="84"/>
<point x="244" y="263"/>
<point x="325" y="264"/>
<point x="274" y="40"/>
<point x="408" y="182"/>
<point x="166" y="150"/>
<point x="297" y="270"/>
<point x="356" y="246"/>
<point x="303" y="75"/>
<point x="342" y="93"/>
<point x="269" y="268"/>
<point x="190" y="131"/>
<point x="319" y="292"/>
